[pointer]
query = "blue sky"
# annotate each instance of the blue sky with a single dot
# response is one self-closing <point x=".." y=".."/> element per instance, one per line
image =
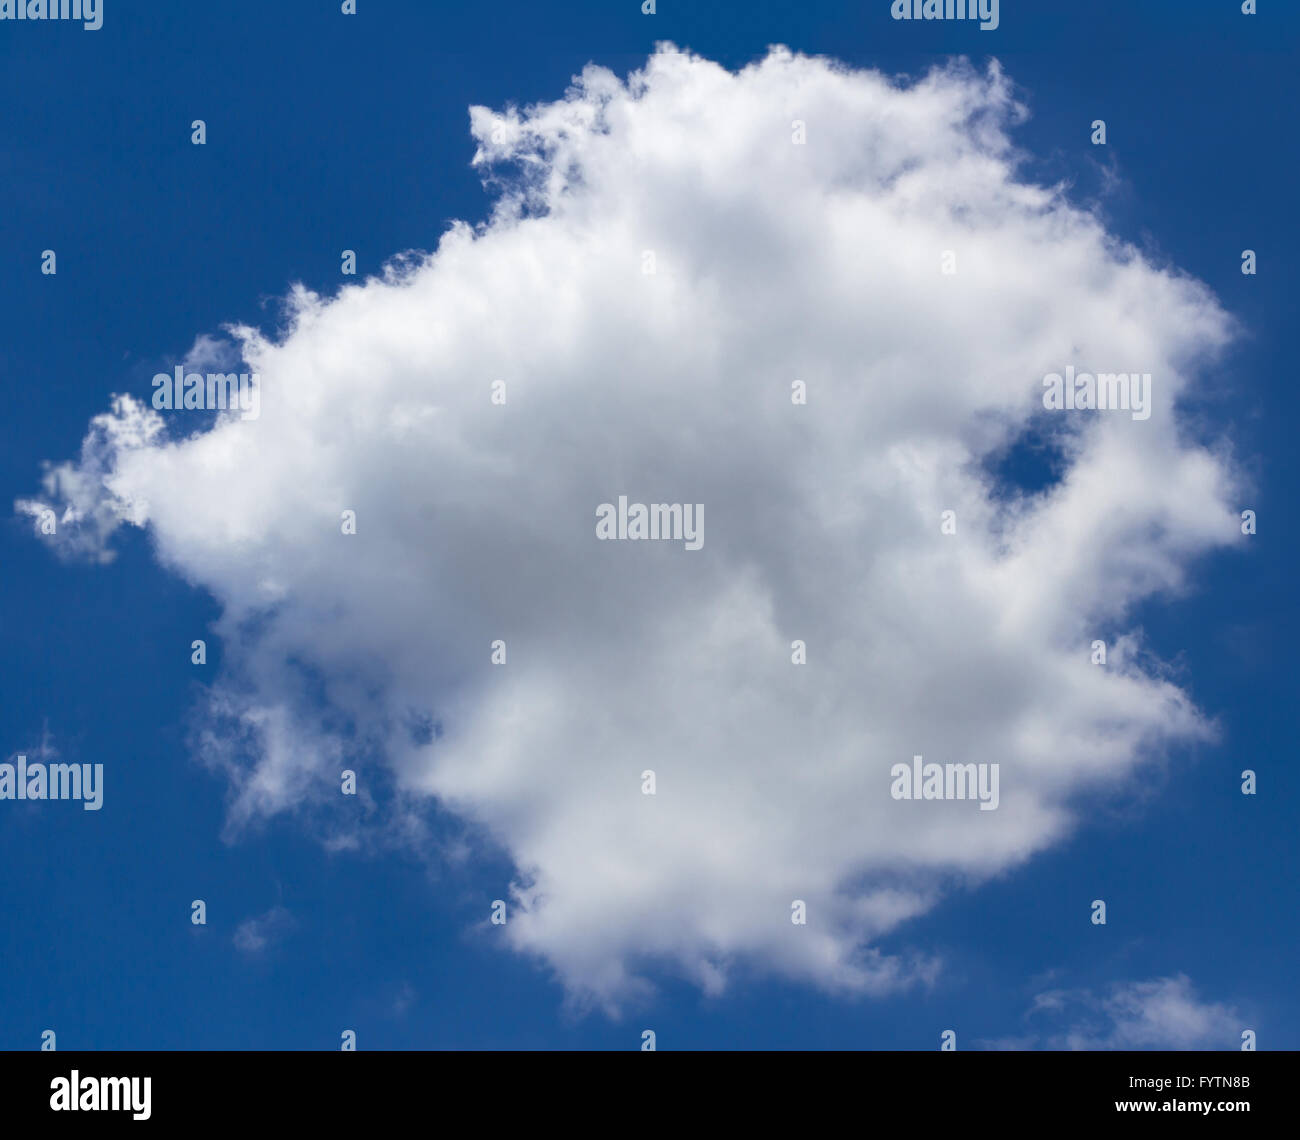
<point x="328" y="132"/>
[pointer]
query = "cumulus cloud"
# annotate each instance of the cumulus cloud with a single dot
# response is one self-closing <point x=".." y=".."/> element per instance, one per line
<point x="1162" y="1013"/>
<point x="774" y="262"/>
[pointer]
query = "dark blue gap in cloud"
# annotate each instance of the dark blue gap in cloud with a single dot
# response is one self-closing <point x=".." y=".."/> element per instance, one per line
<point x="1033" y="461"/>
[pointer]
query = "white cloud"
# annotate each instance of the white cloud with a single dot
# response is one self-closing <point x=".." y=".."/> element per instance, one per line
<point x="254" y="935"/>
<point x="774" y="262"/>
<point x="210" y="352"/>
<point x="1166" y="1014"/>
<point x="1162" y="1013"/>
<point x="84" y="515"/>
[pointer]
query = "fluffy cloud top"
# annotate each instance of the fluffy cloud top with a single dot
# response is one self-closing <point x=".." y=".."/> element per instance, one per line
<point x="774" y="262"/>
